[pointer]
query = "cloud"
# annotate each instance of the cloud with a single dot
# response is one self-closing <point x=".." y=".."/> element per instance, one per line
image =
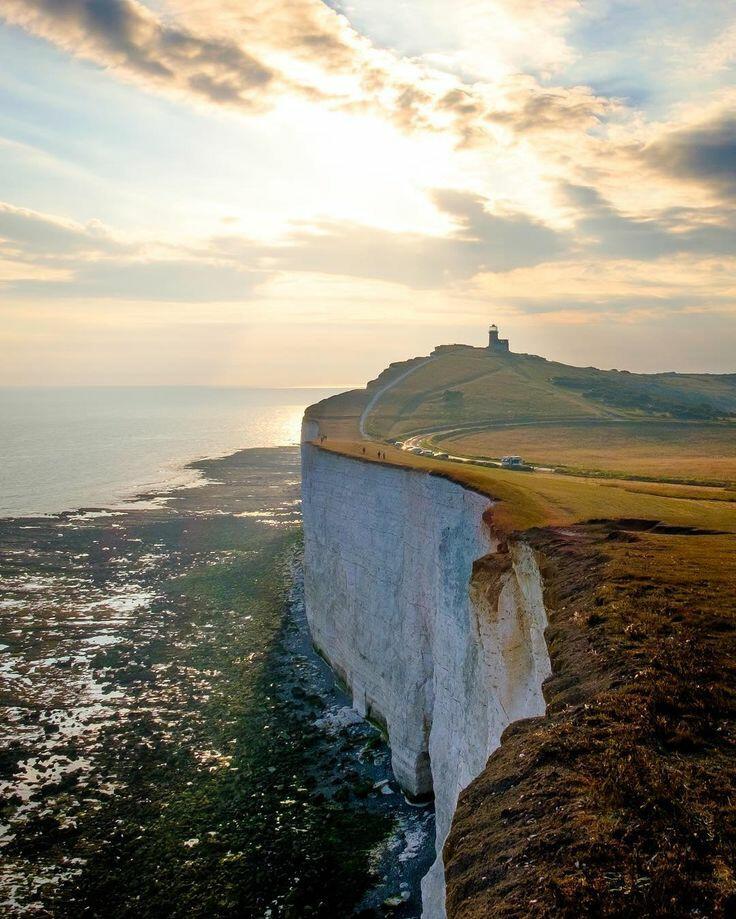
<point x="247" y="56"/>
<point x="592" y="279"/>
<point x="720" y="53"/>
<point x="64" y="259"/>
<point x="481" y="241"/>
<point x="231" y="267"/>
<point x="478" y="77"/>
<point x="175" y="280"/>
<point x="306" y="29"/>
<point x="125" y="36"/>
<point x="610" y="234"/>
<point x="23" y="231"/>
<point x="703" y="153"/>
<point x="484" y="40"/>
<point x="499" y="242"/>
<point x="534" y="109"/>
<point x="44" y="256"/>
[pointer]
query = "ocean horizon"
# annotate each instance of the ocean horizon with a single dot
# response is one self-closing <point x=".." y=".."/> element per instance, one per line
<point x="62" y="448"/>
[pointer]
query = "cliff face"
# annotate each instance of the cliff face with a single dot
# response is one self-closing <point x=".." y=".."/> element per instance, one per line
<point x="438" y="634"/>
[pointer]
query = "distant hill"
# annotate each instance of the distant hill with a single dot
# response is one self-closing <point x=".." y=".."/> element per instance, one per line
<point x="472" y="387"/>
<point x="476" y="403"/>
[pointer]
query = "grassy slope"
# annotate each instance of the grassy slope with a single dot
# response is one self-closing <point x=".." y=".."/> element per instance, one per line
<point x="518" y="387"/>
<point x="620" y="424"/>
<point x="619" y="801"/>
<point x="495" y="389"/>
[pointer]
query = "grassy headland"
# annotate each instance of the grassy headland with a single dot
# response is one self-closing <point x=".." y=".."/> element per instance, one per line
<point x="619" y="801"/>
<point x="660" y="446"/>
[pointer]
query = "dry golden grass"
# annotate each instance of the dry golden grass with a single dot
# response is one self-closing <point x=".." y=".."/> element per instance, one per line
<point x="654" y="449"/>
<point x="567" y="429"/>
<point x="542" y="499"/>
<point x="598" y="808"/>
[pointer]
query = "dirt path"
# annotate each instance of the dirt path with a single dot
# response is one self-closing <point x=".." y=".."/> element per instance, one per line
<point x="384" y="389"/>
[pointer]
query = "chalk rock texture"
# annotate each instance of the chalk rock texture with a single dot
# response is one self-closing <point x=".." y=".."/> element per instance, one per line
<point x="439" y="637"/>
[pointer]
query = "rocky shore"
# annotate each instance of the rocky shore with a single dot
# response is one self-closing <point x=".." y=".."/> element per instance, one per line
<point x="172" y="743"/>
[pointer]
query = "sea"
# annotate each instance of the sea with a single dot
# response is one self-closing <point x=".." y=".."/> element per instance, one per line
<point x="171" y="744"/>
<point x="70" y="447"/>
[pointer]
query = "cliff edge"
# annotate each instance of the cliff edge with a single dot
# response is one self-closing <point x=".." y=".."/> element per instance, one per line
<point x="551" y="656"/>
<point x="438" y="635"/>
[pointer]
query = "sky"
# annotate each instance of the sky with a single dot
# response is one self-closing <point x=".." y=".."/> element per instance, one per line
<point x="297" y="192"/>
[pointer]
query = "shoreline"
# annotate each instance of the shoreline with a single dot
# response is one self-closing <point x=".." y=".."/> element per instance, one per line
<point x="90" y="447"/>
<point x="129" y="637"/>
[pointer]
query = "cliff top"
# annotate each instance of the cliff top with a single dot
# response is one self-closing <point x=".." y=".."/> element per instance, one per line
<point x="605" y="444"/>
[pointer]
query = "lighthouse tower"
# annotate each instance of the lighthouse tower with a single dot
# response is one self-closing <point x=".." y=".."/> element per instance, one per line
<point x="494" y="342"/>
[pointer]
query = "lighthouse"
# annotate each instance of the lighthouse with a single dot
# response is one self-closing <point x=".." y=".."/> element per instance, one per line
<point x="494" y="342"/>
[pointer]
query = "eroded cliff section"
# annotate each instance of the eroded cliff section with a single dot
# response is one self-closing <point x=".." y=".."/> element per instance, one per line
<point x="437" y="630"/>
<point x="621" y="799"/>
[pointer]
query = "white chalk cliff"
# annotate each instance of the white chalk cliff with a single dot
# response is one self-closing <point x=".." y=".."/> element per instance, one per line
<point x="438" y="637"/>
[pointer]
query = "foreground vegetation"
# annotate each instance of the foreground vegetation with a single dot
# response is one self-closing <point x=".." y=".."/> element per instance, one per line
<point x="621" y="800"/>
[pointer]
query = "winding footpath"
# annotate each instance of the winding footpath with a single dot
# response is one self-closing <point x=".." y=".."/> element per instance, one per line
<point x="384" y="389"/>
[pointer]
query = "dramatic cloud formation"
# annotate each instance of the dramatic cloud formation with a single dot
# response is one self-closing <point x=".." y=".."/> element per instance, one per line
<point x="274" y="165"/>
<point x="126" y="36"/>
<point x="247" y="56"/>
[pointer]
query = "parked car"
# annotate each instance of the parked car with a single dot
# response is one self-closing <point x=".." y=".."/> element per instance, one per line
<point x="513" y="462"/>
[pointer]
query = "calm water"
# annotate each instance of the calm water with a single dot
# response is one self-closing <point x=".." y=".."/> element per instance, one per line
<point x="73" y="447"/>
